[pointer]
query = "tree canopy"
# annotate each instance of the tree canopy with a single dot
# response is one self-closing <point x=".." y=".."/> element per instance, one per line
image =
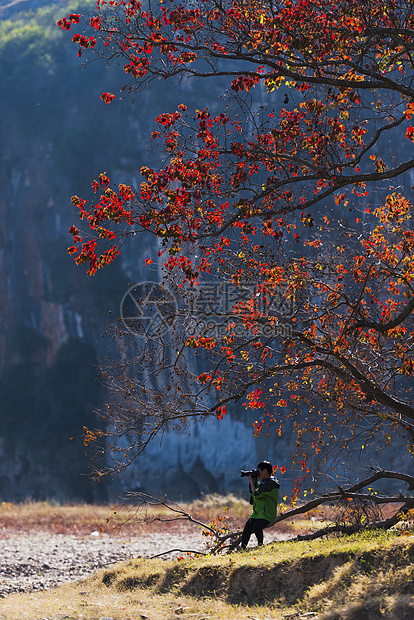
<point x="291" y="196"/>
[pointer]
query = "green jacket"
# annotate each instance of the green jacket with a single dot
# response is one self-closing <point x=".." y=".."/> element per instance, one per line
<point x="264" y="499"/>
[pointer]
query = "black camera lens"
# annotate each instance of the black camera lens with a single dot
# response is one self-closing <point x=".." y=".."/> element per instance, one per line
<point x="251" y="472"/>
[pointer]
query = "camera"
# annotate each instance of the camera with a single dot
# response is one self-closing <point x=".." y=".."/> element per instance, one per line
<point x="253" y="472"/>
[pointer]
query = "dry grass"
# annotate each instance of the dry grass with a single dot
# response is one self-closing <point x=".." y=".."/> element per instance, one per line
<point x="334" y="579"/>
<point x="124" y="518"/>
<point x="92" y="602"/>
<point x="369" y="576"/>
<point x="81" y="519"/>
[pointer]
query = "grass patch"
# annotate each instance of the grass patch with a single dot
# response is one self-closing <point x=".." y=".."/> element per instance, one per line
<point x="122" y="517"/>
<point x="368" y="576"/>
<point x="78" y="519"/>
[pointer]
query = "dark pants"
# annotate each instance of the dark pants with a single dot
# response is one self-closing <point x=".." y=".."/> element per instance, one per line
<point x="253" y="526"/>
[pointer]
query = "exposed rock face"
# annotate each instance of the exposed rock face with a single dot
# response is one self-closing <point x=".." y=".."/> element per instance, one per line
<point x="48" y="309"/>
<point x="206" y="459"/>
<point x="56" y="136"/>
<point x="22" y="476"/>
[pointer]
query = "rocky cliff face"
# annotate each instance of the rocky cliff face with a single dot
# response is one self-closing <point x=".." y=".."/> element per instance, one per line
<point x="56" y="136"/>
<point x="205" y="459"/>
<point x="51" y="316"/>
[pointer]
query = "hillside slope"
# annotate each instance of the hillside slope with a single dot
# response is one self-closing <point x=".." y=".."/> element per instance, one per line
<point x="367" y="577"/>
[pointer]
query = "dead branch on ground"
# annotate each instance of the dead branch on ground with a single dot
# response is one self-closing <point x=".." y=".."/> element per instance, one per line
<point x="352" y="493"/>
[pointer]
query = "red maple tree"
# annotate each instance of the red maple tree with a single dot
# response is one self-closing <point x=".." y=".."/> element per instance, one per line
<point x="306" y="202"/>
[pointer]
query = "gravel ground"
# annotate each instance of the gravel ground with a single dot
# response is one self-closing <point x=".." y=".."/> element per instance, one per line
<point x="41" y="560"/>
<point x="37" y="560"/>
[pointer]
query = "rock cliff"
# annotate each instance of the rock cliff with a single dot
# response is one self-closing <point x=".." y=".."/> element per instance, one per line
<point x="56" y="136"/>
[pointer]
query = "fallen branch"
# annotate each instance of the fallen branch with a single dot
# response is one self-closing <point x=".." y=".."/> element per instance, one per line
<point x="351" y="493"/>
<point x="188" y="551"/>
<point x="145" y="499"/>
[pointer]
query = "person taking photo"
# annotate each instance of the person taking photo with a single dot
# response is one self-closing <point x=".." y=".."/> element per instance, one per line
<point x="263" y="495"/>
